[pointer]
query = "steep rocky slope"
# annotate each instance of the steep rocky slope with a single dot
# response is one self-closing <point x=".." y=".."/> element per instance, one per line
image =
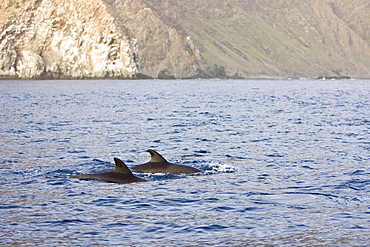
<point x="163" y="51"/>
<point x="261" y="38"/>
<point x="184" y="38"/>
<point x="64" y="39"/>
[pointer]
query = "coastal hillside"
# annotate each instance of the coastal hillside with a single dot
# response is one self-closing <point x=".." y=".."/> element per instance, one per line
<point x="184" y="39"/>
<point x="261" y="38"/>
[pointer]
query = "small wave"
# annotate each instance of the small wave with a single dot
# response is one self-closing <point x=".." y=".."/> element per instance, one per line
<point x="215" y="167"/>
<point x="223" y="208"/>
<point x="358" y="172"/>
<point x="212" y="227"/>
<point x="119" y="225"/>
<point x="158" y="176"/>
<point x="63" y="222"/>
<point x="9" y="206"/>
<point x="95" y="166"/>
<point x="76" y="151"/>
<point x="59" y="173"/>
<point x="106" y="201"/>
<point x="177" y="201"/>
<point x="207" y="169"/>
<point x="356" y="184"/>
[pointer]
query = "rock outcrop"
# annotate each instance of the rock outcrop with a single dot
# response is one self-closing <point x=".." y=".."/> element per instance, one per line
<point x="64" y="39"/>
<point x="184" y="39"/>
<point x="164" y="52"/>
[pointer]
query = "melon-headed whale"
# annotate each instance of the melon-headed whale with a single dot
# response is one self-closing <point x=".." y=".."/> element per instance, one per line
<point x="121" y="174"/>
<point x="158" y="164"/>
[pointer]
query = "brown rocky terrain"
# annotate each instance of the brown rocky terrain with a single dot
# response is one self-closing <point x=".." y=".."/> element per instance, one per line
<point x="64" y="39"/>
<point x="184" y="39"/>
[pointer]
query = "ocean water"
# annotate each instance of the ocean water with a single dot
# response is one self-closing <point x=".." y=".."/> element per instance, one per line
<point x="285" y="162"/>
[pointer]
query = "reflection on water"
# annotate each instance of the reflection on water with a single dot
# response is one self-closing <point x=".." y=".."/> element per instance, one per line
<point x="285" y="162"/>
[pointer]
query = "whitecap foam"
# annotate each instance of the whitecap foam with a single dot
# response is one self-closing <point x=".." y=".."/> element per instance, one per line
<point x="215" y="167"/>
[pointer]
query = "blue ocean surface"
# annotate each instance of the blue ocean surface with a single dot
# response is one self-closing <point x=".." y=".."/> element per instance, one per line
<point x="284" y="162"/>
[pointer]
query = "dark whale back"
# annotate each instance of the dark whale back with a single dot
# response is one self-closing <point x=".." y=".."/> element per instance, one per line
<point x="158" y="164"/>
<point x="121" y="174"/>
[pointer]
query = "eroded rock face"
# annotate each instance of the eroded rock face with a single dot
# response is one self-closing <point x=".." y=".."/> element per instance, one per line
<point x="164" y="52"/>
<point x="65" y="39"/>
<point x="29" y="65"/>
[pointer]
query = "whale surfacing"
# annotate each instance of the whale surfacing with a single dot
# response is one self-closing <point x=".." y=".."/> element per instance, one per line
<point x="121" y="174"/>
<point x="158" y="164"/>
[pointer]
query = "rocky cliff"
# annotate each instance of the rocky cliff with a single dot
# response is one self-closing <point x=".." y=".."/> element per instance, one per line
<point x="184" y="38"/>
<point x="164" y="51"/>
<point x="64" y="39"/>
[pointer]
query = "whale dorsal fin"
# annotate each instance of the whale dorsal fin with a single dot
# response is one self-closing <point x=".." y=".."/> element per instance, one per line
<point x="121" y="167"/>
<point x="156" y="157"/>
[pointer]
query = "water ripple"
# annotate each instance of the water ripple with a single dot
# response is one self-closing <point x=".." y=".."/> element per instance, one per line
<point x="284" y="162"/>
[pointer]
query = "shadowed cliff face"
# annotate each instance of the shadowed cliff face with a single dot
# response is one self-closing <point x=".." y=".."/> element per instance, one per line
<point x="64" y="39"/>
<point x="163" y="51"/>
<point x="184" y="38"/>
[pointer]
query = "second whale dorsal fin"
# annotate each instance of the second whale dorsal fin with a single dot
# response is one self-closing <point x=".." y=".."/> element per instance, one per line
<point x="121" y="167"/>
<point x="156" y="157"/>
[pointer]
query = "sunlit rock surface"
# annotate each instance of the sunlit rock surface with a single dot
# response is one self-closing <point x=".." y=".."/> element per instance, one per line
<point x="64" y="39"/>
